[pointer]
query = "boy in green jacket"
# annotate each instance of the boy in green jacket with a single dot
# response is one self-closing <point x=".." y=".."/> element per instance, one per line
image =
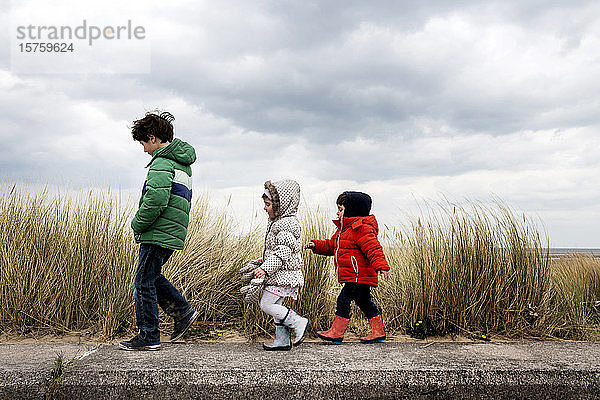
<point x="160" y="225"/>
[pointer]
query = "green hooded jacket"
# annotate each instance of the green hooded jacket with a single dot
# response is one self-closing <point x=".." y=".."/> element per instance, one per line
<point x="164" y="209"/>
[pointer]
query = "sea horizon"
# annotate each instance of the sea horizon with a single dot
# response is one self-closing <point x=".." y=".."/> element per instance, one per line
<point x="565" y="251"/>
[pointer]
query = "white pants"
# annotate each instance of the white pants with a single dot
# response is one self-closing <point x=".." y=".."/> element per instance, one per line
<point x="271" y="304"/>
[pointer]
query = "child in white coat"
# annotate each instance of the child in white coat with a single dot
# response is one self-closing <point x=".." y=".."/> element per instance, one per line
<point x="281" y="264"/>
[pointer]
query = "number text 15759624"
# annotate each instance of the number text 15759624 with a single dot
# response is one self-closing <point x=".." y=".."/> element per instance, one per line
<point x="37" y="47"/>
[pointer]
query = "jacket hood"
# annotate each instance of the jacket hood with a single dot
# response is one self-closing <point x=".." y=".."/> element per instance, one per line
<point x="357" y="204"/>
<point x="285" y="195"/>
<point x="178" y="151"/>
<point x="355" y="222"/>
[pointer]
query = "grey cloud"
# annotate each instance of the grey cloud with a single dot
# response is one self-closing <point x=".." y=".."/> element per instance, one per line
<point x="47" y="136"/>
<point x="309" y="84"/>
<point x="299" y="71"/>
<point x="287" y="68"/>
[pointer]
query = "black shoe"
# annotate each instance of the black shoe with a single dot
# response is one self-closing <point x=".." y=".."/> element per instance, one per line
<point x="139" y="344"/>
<point x="182" y="325"/>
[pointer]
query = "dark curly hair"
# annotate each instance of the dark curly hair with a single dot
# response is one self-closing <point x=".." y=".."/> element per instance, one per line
<point x="156" y="123"/>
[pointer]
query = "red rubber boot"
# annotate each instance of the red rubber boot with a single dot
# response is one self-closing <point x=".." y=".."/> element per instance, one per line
<point x="377" y="331"/>
<point x="335" y="334"/>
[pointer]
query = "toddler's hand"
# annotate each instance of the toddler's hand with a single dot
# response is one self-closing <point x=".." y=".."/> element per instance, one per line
<point x="309" y="245"/>
<point x="386" y="274"/>
<point x="259" y="272"/>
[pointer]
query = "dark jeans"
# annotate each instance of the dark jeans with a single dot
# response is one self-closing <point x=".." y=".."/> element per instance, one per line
<point x="361" y="295"/>
<point x="151" y="289"/>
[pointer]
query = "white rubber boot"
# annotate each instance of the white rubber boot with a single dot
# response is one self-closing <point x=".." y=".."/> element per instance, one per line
<point x="299" y="324"/>
<point x="282" y="340"/>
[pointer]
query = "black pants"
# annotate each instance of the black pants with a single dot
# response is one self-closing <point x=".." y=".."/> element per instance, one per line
<point x="361" y="295"/>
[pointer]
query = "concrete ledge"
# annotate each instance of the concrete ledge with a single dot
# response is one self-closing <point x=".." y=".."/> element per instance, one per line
<point x="314" y="370"/>
<point x="389" y="385"/>
<point x="25" y="369"/>
<point x="352" y="371"/>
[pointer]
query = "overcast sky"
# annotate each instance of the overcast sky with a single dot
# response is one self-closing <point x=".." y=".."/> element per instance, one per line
<point x="404" y="100"/>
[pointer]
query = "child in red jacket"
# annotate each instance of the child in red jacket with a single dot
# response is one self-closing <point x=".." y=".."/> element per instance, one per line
<point x="358" y="259"/>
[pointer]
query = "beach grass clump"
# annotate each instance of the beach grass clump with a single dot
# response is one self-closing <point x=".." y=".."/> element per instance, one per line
<point x="66" y="263"/>
<point x="468" y="270"/>
<point x="575" y="298"/>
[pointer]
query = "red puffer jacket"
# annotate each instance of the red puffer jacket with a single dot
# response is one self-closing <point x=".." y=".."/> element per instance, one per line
<point x="358" y="253"/>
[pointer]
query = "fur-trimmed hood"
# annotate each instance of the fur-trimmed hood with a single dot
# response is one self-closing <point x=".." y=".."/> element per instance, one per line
<point x="285" y="195"/>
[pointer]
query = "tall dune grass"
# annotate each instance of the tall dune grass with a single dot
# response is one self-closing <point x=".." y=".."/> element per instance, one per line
<point x="475" y="269"/>
<point x="67" y="264"/>
<point x="575" y="298"/>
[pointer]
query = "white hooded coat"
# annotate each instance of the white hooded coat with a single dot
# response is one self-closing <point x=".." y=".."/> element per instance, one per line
<point x="282" y="260"/>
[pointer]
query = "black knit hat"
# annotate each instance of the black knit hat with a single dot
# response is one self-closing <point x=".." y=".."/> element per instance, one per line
<point x="357" y="204"/>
